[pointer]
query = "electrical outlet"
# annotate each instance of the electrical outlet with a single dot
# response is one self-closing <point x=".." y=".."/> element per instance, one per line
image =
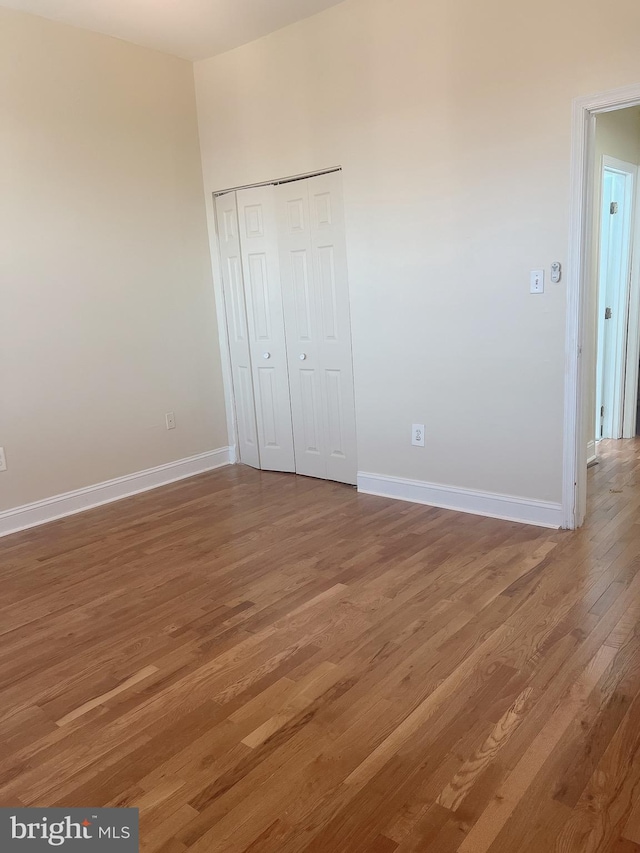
<point x="417" y="435"/>
<point x="170" y="419"/>
<point x="3" y="460"/>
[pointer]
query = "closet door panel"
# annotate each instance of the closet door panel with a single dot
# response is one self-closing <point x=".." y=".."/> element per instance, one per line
<point x="300" y="311"/>
<point x="318" y="329"/>
<point x="267" y="346"/>
<point x="237" y="329"/>
<point x="333" y="327"/>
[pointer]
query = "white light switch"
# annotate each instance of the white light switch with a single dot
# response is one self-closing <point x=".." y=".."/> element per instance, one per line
<point x="536" y="282"/>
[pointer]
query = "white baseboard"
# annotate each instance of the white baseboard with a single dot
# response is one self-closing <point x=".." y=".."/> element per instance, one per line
<point x="58" y="506"/>
<point x="591" y="453"/>
<point x="524" y="510"/>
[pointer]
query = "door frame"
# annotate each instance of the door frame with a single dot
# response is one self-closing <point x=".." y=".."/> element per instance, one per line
<point x="621" y="310"/>
<point x="632" y="367"/>
<point x="575" y="434"/>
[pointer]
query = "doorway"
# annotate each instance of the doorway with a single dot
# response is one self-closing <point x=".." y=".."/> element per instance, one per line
<point x="603" y="292"/>
<point x="615" y="335"/>
<point x="284" y="275"/>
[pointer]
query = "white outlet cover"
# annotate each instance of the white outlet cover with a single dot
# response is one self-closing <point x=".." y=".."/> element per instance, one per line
<point x="3" y="460"/>
<point x="536" y="281"/>
<point x="417" y="435"/>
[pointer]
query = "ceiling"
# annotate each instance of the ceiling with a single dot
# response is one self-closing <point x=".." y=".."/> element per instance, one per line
<point x="193" y="29"/>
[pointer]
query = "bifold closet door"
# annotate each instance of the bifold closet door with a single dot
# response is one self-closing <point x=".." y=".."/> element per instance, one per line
<point x="238" y="333"/>
<point x="315" y="294"/>
<point x="267" y="346"/>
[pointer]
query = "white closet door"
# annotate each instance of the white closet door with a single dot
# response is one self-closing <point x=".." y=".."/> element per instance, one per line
<point x="334" y="331"/>
<point x="261" y="268"/>
<point x="233" y="287"/>
<point x="316" y="302"/>
<point x="299" y="300"/>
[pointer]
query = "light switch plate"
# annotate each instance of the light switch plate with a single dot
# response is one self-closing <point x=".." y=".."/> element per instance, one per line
<point x="536" y="281"/>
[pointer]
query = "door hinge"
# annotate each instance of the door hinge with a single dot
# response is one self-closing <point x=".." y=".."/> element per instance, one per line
<point x="613" y="208"/>
<point x="607" y="313"/>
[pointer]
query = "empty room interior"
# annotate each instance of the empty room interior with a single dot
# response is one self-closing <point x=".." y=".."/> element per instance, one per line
<point x="277" y="576"/>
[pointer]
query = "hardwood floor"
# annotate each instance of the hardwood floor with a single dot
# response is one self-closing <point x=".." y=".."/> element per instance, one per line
<point x="263" y="662"/>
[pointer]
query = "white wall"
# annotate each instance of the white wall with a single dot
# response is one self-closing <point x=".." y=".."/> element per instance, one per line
<point x="617" y="135"/>
<point x="452" y="123"/>
<point x="107" y="318"/>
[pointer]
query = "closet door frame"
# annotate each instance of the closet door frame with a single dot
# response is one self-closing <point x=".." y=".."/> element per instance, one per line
<point x="230" y="391"/>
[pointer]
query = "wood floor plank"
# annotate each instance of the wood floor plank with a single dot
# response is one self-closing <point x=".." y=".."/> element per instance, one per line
<point x="456" y="790"/>
<point x="265" y="663"/>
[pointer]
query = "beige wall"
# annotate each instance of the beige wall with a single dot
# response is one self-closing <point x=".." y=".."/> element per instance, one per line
<point x="617" y="135"/>
<point x="107" y="318"/>
<point x="452" y="123"/>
